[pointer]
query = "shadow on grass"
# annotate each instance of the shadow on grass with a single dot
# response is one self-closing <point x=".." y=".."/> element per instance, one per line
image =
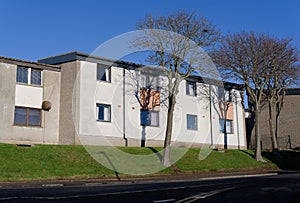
<point x="114" y="169"/>
<point x="156" y="152"/>
<point x="248" y="153"/>
<point x="284" y="160"/>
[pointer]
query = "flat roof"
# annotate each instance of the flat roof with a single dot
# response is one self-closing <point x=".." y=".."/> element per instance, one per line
<point x="30" y="64"/>
<point x="75" y="55"/>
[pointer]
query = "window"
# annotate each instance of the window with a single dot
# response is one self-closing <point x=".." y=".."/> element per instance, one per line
<point x="149" y="81"/>
<point x="191" y="122"/>
<point x="29" y="76"/>
<point x="103" y="112"/>
<point x="103" y="73"/>
<point x="228" y="126"/>
<point x="191" y="88"/>
<point x="27" y="116"/>
<point x="224" y="94"/>
<point x="35" y="77"/>
<point x="22" y="75"/>
<point x="149" y="118"/>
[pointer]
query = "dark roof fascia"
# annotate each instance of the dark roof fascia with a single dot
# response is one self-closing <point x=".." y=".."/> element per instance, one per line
<point x="293" y="91"/>
<point x="74" y="56"/>
<point x="225" y="84"/>
<point x="29" y="64"/>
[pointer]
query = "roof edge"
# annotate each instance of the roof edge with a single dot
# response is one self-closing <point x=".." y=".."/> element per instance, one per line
<point x="31" y="64"/>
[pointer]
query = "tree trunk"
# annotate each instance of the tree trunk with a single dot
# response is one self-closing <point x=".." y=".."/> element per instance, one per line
<point x="258" y="155"/>
<point x="271" y="127"/>
<point x="166" y="158"/>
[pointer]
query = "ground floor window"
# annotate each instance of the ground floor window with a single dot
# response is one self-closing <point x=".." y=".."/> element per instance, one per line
<point x="103" y="112"/>
<point x="149" y="118"/>
<point x="27" y="116"/>
<point x="228" y="126"/>
<point x="191" y="122"/>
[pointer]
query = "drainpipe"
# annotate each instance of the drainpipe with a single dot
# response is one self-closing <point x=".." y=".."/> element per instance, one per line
<point x="210" y="117"/>
<point x="237" y="120"/>
<point x="124" y="116"/>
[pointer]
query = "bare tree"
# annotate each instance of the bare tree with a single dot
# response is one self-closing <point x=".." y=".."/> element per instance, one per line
<point x="173" y="42"/>
<point x="250" y="58"/>
<point x="285" y="71"/>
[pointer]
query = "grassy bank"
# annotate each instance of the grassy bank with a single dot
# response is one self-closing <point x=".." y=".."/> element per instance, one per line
<point x="56" y="161"/>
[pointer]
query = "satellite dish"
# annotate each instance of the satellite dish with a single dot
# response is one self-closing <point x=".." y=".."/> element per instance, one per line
<point x="46" y="105"/>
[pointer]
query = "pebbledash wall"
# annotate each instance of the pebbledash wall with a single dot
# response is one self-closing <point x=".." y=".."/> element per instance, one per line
<point x="82" y="93"/>
<point x="33" y="125"/>
<point x="289" y="122"/>
<point x="94" y="102"/>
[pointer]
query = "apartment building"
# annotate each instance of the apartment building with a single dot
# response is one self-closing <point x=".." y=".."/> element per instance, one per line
<point x="102" y="103"/>
<point x="99" y="101"/>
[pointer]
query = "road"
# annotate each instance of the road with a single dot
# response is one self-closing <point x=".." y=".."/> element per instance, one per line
<point x="269" y="188"/>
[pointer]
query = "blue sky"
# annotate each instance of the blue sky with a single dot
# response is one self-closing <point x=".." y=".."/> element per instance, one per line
<point x="35" y="29"/>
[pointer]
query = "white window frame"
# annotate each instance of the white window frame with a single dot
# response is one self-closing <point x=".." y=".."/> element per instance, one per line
<point x="105" y="106"/>
<point x="194" y="87"/>
<point x="187" y="122"/>
<point x="228" y="131"/>
<point x="149" y="116"/>
<point x="149" y="81"/>
<point x="224" y="94"/>
<point x="29" y="70"/>
<point x="107" y="72"/>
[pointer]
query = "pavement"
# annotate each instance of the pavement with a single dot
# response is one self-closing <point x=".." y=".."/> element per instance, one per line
<point x="126" y="179"/>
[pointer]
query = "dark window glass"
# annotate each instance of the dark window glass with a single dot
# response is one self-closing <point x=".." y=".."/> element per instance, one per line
<point x="22" y="75"/>
<point x="191" y="88"/>
<point x="103" y="73"/>
<point x="144" y="117"/>
<point x="27" y="116"/>
<point x="34" y="117"/>
<point x="228" y="126"/>
<point x="103" y="112"/>
<point x="36" y="77"/>
<point x="149" y="118"/>
<point x="20" y="116"/>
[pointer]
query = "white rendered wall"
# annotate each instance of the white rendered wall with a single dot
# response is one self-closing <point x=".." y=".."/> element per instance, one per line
<point x="111" y="93"/>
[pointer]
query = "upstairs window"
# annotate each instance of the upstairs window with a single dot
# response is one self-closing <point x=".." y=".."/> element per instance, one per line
<point x="35" y="77"/>
<point x="29" y="76"/>
<point x="224" y="95"/>
<point x="103" y="112"/>
<point x="191" y="88"/>
<point x="22" y="75"/>
<point x="149" y="81"/>
<point x="103" y="73"/>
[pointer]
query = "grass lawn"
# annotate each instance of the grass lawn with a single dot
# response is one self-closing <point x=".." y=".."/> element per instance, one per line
<point x="60" y="161"/>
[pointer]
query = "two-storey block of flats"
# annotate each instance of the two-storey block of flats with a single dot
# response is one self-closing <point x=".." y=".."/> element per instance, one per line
<point x="99" y="101"/>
